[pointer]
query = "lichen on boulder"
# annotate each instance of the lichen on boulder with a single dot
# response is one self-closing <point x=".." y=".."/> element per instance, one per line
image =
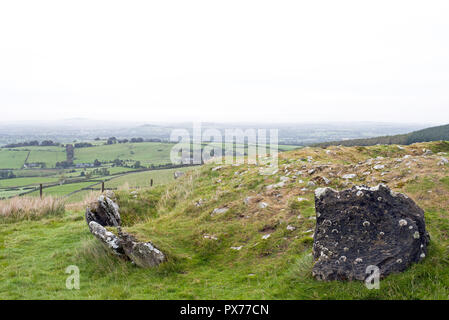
<point x="362" y="227"/>
<point x="105" y="212"/>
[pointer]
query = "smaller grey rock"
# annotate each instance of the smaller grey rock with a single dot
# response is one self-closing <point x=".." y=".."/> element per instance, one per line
<point x="263" y="205"/>
<point x="178" y="174"/>
<point x="219" y="211"/>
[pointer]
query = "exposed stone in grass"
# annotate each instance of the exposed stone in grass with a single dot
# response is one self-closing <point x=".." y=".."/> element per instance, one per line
<point x="443" y="161"/>
<point x="104" y="211"/>
<point x="263" y="205"/>
<point x="211" y="237"/>
<point x="311" y="184"/>
<point x="178" y="174"/>
<point x="219" y="211"/>
<point x="321" y="180"/>
<point x="111" y="241"/>
<point x="143" y="254"/>
<point x="366" y="226"/>
<point x="275" y="186"/>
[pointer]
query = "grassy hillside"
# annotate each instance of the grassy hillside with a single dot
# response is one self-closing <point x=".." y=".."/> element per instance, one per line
<point x="246" y="252"/>
<point x="439" y="133"/>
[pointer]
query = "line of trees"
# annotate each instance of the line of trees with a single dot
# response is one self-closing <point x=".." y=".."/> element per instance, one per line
<point x="114" y="140"/>
<point x="45" y="143"/>
<point x="440" y="133"/>
<point x="7" y="174"/>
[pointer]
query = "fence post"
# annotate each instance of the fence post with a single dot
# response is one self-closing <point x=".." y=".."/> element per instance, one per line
<point x="151" y="182"/>
<point x="40" y="190"/>
<point x="102" y="186"/>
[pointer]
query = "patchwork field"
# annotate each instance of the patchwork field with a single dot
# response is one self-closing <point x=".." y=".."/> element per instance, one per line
<point x="10" y="159"/>
<point x="147" y="153"/>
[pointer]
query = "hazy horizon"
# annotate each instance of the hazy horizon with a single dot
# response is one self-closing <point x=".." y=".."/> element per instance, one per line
<point x="248" y="61"/>
<point x="228" y="122"/>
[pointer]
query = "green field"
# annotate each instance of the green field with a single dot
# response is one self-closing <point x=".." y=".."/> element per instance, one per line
<point x="64" y="189"/>
<point x="20" y="182"/>
<point x="143" y="179"/>
<point x="11" y="193"/>
<point x="133" y="180"/>
<point x="50" y="157"/>
<point x="147" y="153"/>
<point x="78" y="196"/>
<point x="10" y="159"/>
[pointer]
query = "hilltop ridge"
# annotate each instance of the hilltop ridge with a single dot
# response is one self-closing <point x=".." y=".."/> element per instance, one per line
<point x="438" y="133"/>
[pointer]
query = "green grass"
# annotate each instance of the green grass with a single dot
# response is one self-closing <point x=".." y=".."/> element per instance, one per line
<point x="64" y="189"/>
<point x="147" y="153"/>
<point x="8" y="193"/>
<point x="35" y="254"/>
<point x="287" y="147"/>
<point x="38" y="172"/>
<point x="197" y="268"/>
<point x="143" y="179"/>
<point x="10" y="159"/>
<point x="50" y="157"/>
<point x="19" y="182"/>
<point x="78" y="196"/>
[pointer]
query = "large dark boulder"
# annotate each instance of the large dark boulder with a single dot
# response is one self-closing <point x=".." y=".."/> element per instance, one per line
<point x="104" y="211"/>
<point x="362" y="227"/>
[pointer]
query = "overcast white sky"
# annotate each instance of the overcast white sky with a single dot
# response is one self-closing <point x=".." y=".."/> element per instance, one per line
<point x="225" y="60"/>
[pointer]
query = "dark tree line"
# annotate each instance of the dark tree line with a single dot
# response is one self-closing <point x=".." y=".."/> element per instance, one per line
<point x="7" y="174"/>
<point x="34" y="143"/>
<point x="440" y="133"/>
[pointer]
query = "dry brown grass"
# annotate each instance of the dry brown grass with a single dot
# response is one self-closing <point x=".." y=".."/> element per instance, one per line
<point x="29" y="208"/>
<point x="81" y="205"/>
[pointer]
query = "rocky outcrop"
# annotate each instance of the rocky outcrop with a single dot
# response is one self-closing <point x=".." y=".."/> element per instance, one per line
<point x="105" y="212"/>
<point x="362" y="227"/>
<point x="143" y="254"/>
<point x="109" y="239"/>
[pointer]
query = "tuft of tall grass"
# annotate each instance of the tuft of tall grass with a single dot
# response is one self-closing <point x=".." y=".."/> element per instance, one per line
<point x="83" y="204"/>
<point x="30" y="208"/>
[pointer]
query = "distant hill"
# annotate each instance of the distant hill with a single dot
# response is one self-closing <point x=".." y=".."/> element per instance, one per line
<point x="425" y="135"/>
